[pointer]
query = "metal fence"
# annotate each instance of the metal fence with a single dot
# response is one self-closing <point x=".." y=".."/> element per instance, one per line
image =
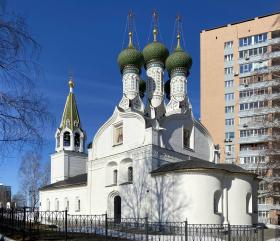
<point x="59" y="225"/>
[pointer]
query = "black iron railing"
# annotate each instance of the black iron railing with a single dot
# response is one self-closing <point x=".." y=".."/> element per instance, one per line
<point x="34" y="224"/>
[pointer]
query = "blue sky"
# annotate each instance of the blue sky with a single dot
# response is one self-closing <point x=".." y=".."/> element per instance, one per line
<point x="87" y="35"/>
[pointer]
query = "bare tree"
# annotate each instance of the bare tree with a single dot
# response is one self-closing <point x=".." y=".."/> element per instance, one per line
<point x="23" y="110"/>
<point x="33" y="175"/>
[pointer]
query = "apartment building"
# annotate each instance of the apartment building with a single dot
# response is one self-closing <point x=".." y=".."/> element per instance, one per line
<point x="240" y="74"/>
<point x="5" y="196"/>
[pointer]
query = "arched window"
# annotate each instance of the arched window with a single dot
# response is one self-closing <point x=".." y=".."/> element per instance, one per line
<point x="130" y="174"/>
<point x="78" y="204"/>
<point x="77" y="140"/>
<point x="249" y="203"/>
<point x="66" y="204"/>
<point x="56" y="204"/>
<point x="48" y="205"/>
<point x="66" y="138"/>
<point x="115" y="176"/>
<point x="218" y="202"/>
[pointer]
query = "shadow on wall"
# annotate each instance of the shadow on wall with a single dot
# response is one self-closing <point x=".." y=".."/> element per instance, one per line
<point x="153" y="197"/>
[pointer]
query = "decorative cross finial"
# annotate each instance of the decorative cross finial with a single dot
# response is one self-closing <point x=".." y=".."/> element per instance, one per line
<point x="71" y="82"/>
<point x="155" y="25"/>
<point x="130" y="27"/>
<point x="178" y="29"/>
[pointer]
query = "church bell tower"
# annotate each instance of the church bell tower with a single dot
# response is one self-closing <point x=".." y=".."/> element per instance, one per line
<point x="69" y="158"/>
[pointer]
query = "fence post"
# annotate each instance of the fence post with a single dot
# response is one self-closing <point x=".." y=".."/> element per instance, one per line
<point x="146" y="229"/>
<point x="186" y="230"/>
<point x="24" y="222"/>
<point x="65" y="224"/>
<point x="229" y="233"/>
<point x="262" y="233"/>
<point x="12" y="214"/>
<point x="106" y="226"/>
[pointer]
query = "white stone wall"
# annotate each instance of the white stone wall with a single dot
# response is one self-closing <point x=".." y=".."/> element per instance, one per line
<point x="66" y="164"/>
<point x="201" y="146"/>
<point x="71" y="194"/>
<point x="240" y="210"/>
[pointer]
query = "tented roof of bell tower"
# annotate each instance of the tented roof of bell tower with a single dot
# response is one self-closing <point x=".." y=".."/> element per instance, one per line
<point x="70" y="117"/>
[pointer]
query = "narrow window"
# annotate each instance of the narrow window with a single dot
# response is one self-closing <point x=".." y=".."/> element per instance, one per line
<point x="48" y="205"/>
<point x="56" y="205"/>
<point x="115" y="176"/>
<point x="218" y="202"/>
<point x="186" y="138"/>
<point x="249" y="203"/>
<point x="118" y="134"/>
<point x="66" y="138"/>
<point x="77" y="140"/>
<point x="130" y="174"/>
<point x="78" y="204"/>
<point x="66" y="204"/>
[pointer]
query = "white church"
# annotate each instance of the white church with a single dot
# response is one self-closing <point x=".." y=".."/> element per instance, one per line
<point x="151" y="158"/>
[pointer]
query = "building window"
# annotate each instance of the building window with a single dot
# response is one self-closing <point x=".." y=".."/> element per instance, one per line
<point x="48" y="205"/>
<point x="56" y="204"/>
<point x="253" y="105"/>
<point x="229" y="109"/>
<point x="186" y="138"/>
<point x="228" y="83"/>
<point x="77" y="140"/>
<point x="229" y="122"/>
<point x="254" y="132"/>
<point x="66" y="138"/>
<point x="249" y="203"/>
<point x="229" y="70"/>
<point x="245" y="68"/>
<point x="130" y="174"/>
<point x="228" y="57"/>
<point x="228" y="44"/>
<point x="229" y="149"/>
<point x="260" y="38"/>
<point x="229" y="135"/>
<point x="78" y="204"/>
<point x="218" y="202"/>
<point x="66" y="204"/>
<point x="245" y="41"/>
<point x="115" y="177"/>
<point x="118" y="134"/>
<point x="229" y="96"/>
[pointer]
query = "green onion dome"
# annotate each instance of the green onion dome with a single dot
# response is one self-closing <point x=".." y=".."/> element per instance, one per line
<point x="155" y="51"/>
<point x="179" y="59"/>
<point x="130" y="57"/>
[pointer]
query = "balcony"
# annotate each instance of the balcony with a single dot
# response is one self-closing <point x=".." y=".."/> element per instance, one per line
<point x="274" y="41"/>
<point x="261" y="71"/>
<point x="253" y="139"/>
<point x="246" y="153"/>
<point x="260" y="111"/>
<point x="258" y="98"/>
<point x="252" y="166"/>
<point x="256" y="45"/>
<point x="256" y="85"/>
<point x="267" y="207"/>
<point x="261" y="57"/>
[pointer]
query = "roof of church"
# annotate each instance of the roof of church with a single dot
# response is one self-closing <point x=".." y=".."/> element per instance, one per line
<point x="199" y="164"/>
<point x="78" y="180"/>
<point x="70" y="111"/>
